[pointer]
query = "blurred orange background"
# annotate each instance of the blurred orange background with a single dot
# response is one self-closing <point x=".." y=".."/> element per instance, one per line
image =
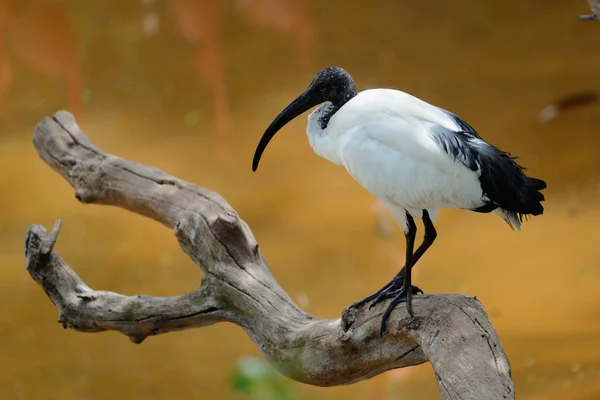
<point x="189" y="86"/>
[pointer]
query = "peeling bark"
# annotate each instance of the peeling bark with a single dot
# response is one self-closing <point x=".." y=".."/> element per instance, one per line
<point x="452" y="332"/>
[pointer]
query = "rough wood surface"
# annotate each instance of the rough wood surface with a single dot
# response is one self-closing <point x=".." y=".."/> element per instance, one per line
<point x="452" y="332"/>
<point x="594" y="14"/>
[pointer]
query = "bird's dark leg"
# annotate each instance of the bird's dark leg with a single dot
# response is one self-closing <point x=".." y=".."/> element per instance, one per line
<point x="428" y="239"/>
<point x="396" y="283"/>
<point x="391" y="288"/>
<point x="405" y="293"/>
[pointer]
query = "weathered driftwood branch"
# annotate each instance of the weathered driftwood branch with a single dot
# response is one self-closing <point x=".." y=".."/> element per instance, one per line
<point x="594" y="14"/>
<point x="452" y="332"/>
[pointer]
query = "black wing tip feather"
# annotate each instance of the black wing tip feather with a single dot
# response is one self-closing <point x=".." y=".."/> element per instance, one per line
<point x="531" y="205"/>
<point x="532" y="194"/>
<point x="504" y="182"/>
<point x="529" y="199"/>
<point x="535" y="183"/>
<point x="502" y="179"/>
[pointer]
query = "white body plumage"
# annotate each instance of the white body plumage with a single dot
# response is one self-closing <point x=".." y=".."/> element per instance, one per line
<point x="413" y="156"/>
<point x="384" y="140"/>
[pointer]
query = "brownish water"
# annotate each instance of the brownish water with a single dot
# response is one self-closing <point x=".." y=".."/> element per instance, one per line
<point x="189" y="86"/>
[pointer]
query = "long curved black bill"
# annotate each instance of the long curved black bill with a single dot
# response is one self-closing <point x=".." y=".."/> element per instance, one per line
<point x="302" y="103"/>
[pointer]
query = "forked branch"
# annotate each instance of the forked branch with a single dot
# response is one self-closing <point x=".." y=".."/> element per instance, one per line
<point x="594" y="14"/>
<point x="452" y="332"/>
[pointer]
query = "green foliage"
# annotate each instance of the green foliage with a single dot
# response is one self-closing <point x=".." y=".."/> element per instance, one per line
<point x="254" y="378"/>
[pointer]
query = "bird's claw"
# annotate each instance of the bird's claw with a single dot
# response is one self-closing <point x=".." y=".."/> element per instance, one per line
<point x="401" y="295"/>
<point x="375" y="295"/>
<point x="414" y="289"/>
<point x="392" y="291"/>
<point x="387" y="292"/>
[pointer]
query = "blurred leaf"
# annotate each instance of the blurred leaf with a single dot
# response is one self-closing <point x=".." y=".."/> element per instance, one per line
<point x="256" y="379"/>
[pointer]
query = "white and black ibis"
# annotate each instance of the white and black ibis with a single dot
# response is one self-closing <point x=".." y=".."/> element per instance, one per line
<point x="415" y="157"/>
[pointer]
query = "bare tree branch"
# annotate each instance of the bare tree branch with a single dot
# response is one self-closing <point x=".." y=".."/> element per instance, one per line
<point x="450" y="331"/>
<point x="594" y="11"/>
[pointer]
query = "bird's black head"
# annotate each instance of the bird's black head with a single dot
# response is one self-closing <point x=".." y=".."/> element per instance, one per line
<point x="334" y="84"/>
<point x="331" y="84"/>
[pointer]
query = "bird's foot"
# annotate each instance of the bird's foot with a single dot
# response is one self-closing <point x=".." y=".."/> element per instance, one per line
<point x="399" y="296"/>
<point x="392" y="290"/>
<point x="375" y="295"/>
<point x="391" y="294"/>
<point x="389" y="291"/>
<point x="391" y="285"/>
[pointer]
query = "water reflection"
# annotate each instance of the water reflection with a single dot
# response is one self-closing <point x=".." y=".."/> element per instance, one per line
<point x="289" y="18"/>
<point x="201" y="24"/>
<point x="38" y="34"/>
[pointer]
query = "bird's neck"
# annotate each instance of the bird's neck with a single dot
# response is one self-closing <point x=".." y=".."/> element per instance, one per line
<point x="328" y="111"/>
<point x="322" y="137"/>
<point x="330" y="108"/>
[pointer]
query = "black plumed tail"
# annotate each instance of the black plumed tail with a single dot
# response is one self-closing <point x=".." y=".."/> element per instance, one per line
<point x="508" y="191"/>
<point x="513" y="218"/>
<point x="515" y="195"/>
<point x="531" y="196"/>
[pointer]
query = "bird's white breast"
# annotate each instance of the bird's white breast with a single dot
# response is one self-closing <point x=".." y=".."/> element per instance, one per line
<point x="381" y="137"/>
<point x="324" y="142"/>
